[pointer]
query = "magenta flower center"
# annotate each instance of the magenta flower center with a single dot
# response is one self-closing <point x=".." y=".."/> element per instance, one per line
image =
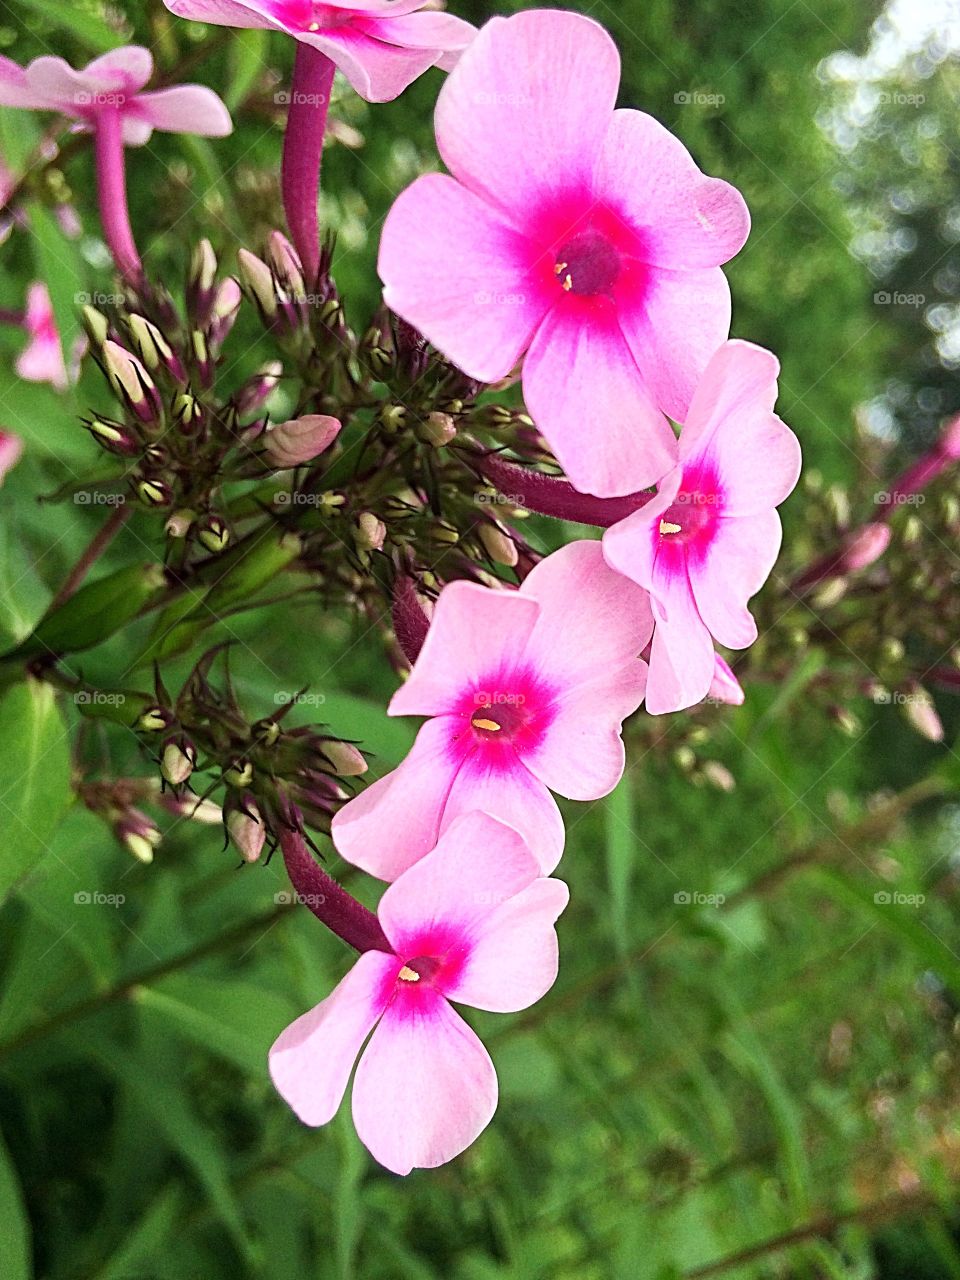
<point x="499" y="715"/>
<point x="588" y="264"/>
<point x="304" y="15"/>
<point x="691" y="518"/>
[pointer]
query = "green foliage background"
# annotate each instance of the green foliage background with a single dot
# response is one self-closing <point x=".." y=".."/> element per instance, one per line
<point x="764" y="1088"/>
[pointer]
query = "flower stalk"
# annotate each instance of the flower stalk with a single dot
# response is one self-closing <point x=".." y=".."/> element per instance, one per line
<point x="112" y="194"/>
<point x="303" y="152"/>
<point x="338" y="910"/>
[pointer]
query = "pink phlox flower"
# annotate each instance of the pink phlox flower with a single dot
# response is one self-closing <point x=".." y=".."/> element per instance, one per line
<point x="11" y="449"/>
<point x="581" y="238"/>
<point x="42" y="358"/>
<point x="527" y="691"/>
<point x="725" y="687"/>
<point x="114" y="81"/>
<point x="709" y="539"/>
<point x="381" y="46"/>
<point x="473" y="923"/>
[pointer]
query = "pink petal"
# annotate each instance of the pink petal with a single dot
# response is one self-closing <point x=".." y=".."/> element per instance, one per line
<point x="512" y="962"/>
<point x="586" y="394"/>
<point x="457" y="273"/>
<point x="755" y="457"/>
<point x="591" y="619"/>
<point x="224" y="13"/>
<point x="581" y="756"/>
<point x="11" y="449"/>
<point x="188" y="108"/>
<point x="478" y="864"/>
<point x="735" y="567"/>
<point x="14" y="89"/>
<point x="648" y="176"/>
<point x="681" y="655"/>
<point x="523" y="114"/>
<point x="425" y="1087"/>
<point x="54" y="82"/>
<point x="311" y="1061"/>
<point x="674" y="329"/>
<point x="725" y="687"/>
<point x="511" y="793"/>
<point x="474" y="631"/>
<point x="631" y="545"/>
<point x="441" y="32"/>
<point x="126" y="68"/>
<point x="379" y="72"/>
<point x="396" y="820"/>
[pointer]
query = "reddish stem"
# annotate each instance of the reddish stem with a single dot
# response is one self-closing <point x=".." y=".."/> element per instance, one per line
<point x="551" y="496"/>
<point x="330" y="903"/>
<point x="303" y="152"/>
<point x="410" y="623"/>
<point x="112" y="193"/>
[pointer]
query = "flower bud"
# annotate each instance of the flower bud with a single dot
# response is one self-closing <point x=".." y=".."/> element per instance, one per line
<point x="96" y="324"/>
<point x="113" y="436"/>
<point x="131" y="382"/>
<point x="153" y="348"/>
<point x="138" y="834"/>
<point x="499" y="546"/>
<point x="154" y="720"/>
<point x="437" y="429"/>
<point x="288" y="444"/>
<point x="213" y="535"/>
<point x="154" y="493"/>
<point x="718" y="775"/>
<point x="865" y="547"/>
<point x="290" y="288"/>
<point x="345" y="759"/>
<point x="256" y="275"/>
<point x="187" y="412"/>
<point x="950" y="439"/>
<point x="226" y="308"/>
<point x="370" y="532"/>
<point x="252" y="394"/>
<point x="922" y="715"/>
<point x="239" y="774"/>
<point x="192" y="807"/>
<point x="392" y="418"/>
<point x="200" y="285"/>
<point x="245" y="828"/>
<point x="178" y="524"/>
<point x="178" y="760"/>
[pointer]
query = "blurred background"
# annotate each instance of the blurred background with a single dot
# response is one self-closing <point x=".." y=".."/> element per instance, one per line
<point x="748" y="1066"/>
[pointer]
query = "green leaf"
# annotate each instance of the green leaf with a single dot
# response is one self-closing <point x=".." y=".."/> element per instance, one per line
<point x="146" y="1238"/>
<point x="15" y="1236"/>
<point x="84" y="24"/>
<point x="35" y="772"/>
<point x="247" y="62"/>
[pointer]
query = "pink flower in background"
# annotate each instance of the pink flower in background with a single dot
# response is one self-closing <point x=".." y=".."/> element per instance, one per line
<point x="381" y="46"/>
<point x="114" y="81"/>
<point x="708" y="540"/>
<point x="585" y="237"/>
<point x="11" y="448"/>
<point x="477" y="930"/>
<point x="527" y="691"/>
<point x="42" y="360"/>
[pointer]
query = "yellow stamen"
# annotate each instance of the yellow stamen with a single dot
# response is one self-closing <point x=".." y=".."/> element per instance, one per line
<point x="667" y="527"/>
<point x="408" y="974"/>
<point x="559" y="269"/>
<point x="479" y="722"/>
<point x="568" y="284"/>
<point x="314" y="26"/>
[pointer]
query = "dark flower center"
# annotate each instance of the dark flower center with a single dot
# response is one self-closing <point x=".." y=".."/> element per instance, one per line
<point x="587" y="264"/>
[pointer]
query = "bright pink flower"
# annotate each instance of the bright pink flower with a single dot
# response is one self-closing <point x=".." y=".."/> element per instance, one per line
<point x="42" y="360"/>
<point x="708" y="540"/>
<point x="114" y="81"/>
<point x="381" y="46"/>
<point x="472" y="922"/>
<point x="527" y="691"/>
<point x="11" y="447"/>
<point x="583" y="236"/>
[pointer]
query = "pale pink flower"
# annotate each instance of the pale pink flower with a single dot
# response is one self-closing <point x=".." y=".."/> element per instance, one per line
<point x="42" y="360"/>
<point x="381" y="46"/>
<point x="585" y="237"/>
<point x="708" y="540"/>
<point x="114" y="81"/>
<point x="527" y="691"/>
<point x="288" y="444"/>
<point x="472" y="922"/>
<point x="11" y="448"/>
